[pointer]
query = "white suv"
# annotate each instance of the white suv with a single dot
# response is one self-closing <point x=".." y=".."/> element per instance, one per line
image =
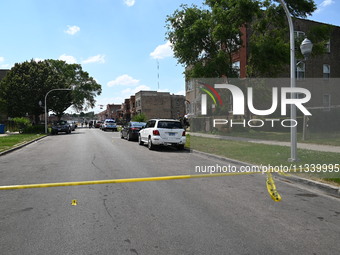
<point x="109" y="124"/>
<point x="162" y="132"/>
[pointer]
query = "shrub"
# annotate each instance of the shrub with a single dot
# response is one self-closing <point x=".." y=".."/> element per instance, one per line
<point x="21" y="123"/>
<point x="36" y="129"/>
<point x="140" y="117"/>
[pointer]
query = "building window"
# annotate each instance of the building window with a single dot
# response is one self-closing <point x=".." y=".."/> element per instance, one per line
<point x="326" y="102"/>
<point x="299" y="34"/>
<point x="236" y="67"/>
<point x="328" y="46"/>
<point x="326" y="71"/>
<point x="300" y="71"/>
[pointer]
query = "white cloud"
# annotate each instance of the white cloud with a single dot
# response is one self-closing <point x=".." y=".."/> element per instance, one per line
<point x="103" y="101"/>
<point x="162" y="51"/>
<point x="72" y="30"/>
<point x="109" y="100"/>
<point x="163" y="90"/>
<point x="132" y="91"/>
<point x="95" y="59"/>
<point x="38" y="59"/>
<point x="123" y="80"/>
<point x="327" y="3"/>
<point x="182" y="92"/>
<point x="323" y="5"/>
<point x="129" y="2"/>
<point x="4" y="66"/>
<point x="68" y="59"/>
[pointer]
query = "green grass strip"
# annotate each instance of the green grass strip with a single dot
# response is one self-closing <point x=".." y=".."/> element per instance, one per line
<point x="262" y="154"/>
<point x="14" y="140"/>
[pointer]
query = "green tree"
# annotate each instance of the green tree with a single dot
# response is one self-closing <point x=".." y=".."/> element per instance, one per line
<point x="269" y="41"/>
<point x="205" y="39"/>
<point x="27" y="84"/>
<point x="141" y="117"/>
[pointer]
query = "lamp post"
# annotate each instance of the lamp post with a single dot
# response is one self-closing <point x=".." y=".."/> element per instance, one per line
<point x="306" y="48"/>
<point x="46" y="104"/>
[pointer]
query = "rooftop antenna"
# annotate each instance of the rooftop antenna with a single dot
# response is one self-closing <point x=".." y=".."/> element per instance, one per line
<point x="158" y="73"/>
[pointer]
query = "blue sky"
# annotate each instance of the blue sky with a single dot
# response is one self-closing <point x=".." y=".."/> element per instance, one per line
<point x="119" y="42"/>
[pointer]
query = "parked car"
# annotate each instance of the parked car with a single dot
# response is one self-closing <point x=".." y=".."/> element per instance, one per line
<point x="98" y="124"/>
<point x="61" y="126"/>
<point x="162" y="132"/>
<point x="131" y="130"/>
<point x="72" y="124"/>
<point x="109" y="124"/>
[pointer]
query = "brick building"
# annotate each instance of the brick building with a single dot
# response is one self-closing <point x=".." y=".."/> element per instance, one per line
<point x="160" y="104"/>
<point x="111" y="112"/>
<point x="133" y="106"/>
<point x="325" y="65"/>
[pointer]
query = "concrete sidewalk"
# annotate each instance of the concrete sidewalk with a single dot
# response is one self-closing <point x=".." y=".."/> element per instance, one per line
<point x="9" y="133"/>
<point x="306" y="146"/>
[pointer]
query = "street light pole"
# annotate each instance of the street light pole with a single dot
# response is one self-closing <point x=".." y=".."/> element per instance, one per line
<point x="293" y="130"/>
<point x="306" y="49"/>
<point x="46" y="105"/>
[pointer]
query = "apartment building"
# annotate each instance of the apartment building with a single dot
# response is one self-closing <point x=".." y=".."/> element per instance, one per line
<point x="160" y="104"/>
<point x="325" y="67"/>
<point x="111" y="112"/>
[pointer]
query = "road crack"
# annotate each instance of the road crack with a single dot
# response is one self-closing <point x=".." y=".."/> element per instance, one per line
<point x="107" y="210"/>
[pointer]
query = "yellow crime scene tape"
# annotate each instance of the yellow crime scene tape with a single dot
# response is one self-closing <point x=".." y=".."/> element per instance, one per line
<point x="275" y="197"/>
<point x="271" y="187"/>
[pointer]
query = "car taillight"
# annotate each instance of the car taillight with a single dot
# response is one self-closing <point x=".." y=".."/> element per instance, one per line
<point x="155" y="132"/>
<point x="134" y="128"/>
<point x="183" y="134"/>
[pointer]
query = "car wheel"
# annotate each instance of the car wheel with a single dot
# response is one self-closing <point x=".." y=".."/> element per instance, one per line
<point x="128" y="137"/>
<point x="150" y="144"/>
<point x="140" y="142"/>
<point x="180" y="147"/>
<point x="121" y="135"/>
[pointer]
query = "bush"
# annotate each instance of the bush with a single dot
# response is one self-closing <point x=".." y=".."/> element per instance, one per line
<point x="140" y="118"/>
<point x="21" y="123"/>
<point x="36" y="129"/>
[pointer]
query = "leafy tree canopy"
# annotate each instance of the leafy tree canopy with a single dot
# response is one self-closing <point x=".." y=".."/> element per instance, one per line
<point x="205" y="38"/>
<point x="27" y="84"/>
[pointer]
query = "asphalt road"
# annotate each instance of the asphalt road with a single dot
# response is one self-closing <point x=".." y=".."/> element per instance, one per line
<point x="226" y="215"/>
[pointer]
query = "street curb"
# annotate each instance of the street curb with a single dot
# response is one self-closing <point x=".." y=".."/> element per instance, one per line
<point x="329" y="189"/>
<point x="21" y="146"/>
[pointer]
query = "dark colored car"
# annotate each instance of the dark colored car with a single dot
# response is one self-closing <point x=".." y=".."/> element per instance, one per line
<point x="61" y="126"/>
<point x="131" y="130"/>
<point x="98" y="124"/>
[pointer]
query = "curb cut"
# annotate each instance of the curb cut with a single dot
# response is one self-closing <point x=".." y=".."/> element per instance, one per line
<point x="329" y="189"/>
<point x="21" y="146"/>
